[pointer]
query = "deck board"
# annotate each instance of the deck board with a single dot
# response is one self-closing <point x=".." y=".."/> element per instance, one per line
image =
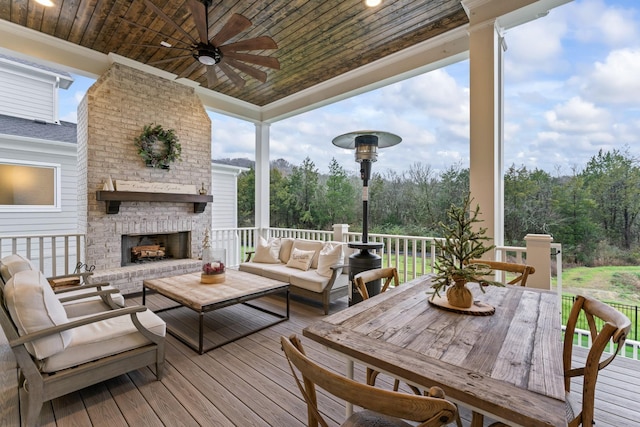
<point x="247" y="382"/>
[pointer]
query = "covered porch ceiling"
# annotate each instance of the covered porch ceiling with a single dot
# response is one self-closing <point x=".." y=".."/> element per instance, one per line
<point x="326" y="50"/>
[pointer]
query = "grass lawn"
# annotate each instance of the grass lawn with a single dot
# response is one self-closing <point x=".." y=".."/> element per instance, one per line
<point x="613" y="284"/>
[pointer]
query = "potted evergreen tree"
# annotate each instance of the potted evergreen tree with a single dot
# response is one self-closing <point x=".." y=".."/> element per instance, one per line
<point x="461" y="244"/>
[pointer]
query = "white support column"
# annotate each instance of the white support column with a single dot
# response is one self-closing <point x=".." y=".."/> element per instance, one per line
<point x="339" y="231"/>
<point x="262" y="182"/>
<point x="539" y="256"/>
<point x="486" y="138"/>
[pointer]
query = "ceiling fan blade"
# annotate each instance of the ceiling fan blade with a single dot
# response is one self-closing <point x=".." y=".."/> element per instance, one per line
<point x="234" y="26"/>
<point x="159" y="46"/>
<point x="212" y="75"/>
<point x="163" y="61"/>
<point x="199" y="13"/>
<point x="190" y="69"/>
<point x="258" y="43"/>
<point x="154" y="31"/>
<point x="265" y="61"/>
<point x="168" y="20"/>
<point x="232" y="74"/>
<point x="247" y="69"/>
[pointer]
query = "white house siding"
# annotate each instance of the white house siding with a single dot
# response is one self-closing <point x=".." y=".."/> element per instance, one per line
<point x="27" y="96"/>
<point x="224" y="187"/>
<point x="62" y="153"/>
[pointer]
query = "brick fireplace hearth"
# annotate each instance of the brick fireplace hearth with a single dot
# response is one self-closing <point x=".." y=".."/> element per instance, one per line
<point x="114" y="111"/>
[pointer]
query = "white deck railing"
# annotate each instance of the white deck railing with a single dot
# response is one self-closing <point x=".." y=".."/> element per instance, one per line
<point x="54" y="254"/>
<point x="413" y="256"/>
<point x="631" y="348"/>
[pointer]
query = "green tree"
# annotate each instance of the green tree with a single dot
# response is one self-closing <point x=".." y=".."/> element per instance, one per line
<point x="575" y="228"/>
<point x="246" y="198"/>
<point x="613" y="180"/>
<point x="304" y="189"/>
<point x="527" y="203"/>
<point x="339" y="196"/>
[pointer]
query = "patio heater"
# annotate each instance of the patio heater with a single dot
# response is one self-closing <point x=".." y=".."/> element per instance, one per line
<point x="366" y="144"/>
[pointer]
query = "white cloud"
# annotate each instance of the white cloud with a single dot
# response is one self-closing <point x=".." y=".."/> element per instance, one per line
<point x="615" y="81"/>
<point x="579" y="116"/>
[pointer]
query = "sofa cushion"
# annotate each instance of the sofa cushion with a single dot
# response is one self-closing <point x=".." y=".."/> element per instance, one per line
<point x="12" y="264"/>
<point x="308" y="245"/>
<point x="33" y="307"/>
<point x="278" y="272"/>
<point x="102" y="339"/>
<point x="267" y="251"/>
<point x="330" y="255"/>
<point x="312" y="281"/>
<point x="308" y="280"/>
<point x="285" y="249"/>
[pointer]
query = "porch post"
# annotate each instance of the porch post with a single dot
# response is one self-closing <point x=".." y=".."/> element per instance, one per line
<point x="262" y="179"/>
<point x="539" y="257"/>
<point x="486" y="124"/>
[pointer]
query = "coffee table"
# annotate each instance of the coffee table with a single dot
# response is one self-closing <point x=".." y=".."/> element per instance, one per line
<point x="238" y="288"/>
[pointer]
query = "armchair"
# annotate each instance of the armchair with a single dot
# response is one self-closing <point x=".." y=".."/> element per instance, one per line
<point x="57" y="355"/>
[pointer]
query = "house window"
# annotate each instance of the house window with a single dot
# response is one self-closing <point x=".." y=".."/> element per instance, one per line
<point x="29" y="186"/>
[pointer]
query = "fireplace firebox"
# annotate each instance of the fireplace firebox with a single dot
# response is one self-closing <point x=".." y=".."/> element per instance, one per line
<point x="143" y="248"/>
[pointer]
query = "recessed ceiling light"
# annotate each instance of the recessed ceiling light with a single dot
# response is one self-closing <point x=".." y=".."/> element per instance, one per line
<point x="47" y="3"/>
<point x="372" y="3"/>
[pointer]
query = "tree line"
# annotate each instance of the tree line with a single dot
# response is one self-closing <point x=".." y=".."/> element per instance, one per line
<point x="592" y="211"/>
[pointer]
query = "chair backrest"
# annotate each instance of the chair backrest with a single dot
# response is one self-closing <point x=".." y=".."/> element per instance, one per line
<point x="389" y="274"/>
<point x="429" y="411"/>
<point x="522" y="270"/>
<point x="607" y="327"/>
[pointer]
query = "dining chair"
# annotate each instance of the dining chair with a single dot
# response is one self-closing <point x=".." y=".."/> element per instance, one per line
<point x="361" y="279"/>
<point x="522" y="270"/>
<point x="608" y="329"/>
<point x="367" y="276"/>
<point x="382" y="408"/>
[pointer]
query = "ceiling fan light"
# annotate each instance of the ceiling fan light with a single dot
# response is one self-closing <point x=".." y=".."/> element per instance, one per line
<point x="47" y="3"/>
<point x="372" y="3"/>
<point x="206" y="60"/>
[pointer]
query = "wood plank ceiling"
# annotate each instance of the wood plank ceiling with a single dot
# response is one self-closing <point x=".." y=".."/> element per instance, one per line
<point x="317" y="40"/>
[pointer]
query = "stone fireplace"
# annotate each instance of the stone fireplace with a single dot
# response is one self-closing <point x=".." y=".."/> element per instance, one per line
<point x="112" y="114"/>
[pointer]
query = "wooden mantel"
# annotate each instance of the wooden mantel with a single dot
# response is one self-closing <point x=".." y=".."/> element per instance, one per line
<point x="114" y="198"/>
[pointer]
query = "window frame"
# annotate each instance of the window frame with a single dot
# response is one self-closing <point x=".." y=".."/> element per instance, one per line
<point x="57" y="187"/>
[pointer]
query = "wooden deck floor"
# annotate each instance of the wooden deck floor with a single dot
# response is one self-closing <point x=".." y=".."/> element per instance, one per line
<point x="245" y="383"/>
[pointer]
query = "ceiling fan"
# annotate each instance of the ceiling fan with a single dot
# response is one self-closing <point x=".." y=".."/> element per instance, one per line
<point x="212" y="52"/>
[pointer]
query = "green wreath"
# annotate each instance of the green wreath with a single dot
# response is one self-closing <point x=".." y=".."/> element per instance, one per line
<point x="158" y="147"/>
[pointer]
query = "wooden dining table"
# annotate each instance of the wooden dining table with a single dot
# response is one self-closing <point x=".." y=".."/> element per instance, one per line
<point x="507" y="365"/>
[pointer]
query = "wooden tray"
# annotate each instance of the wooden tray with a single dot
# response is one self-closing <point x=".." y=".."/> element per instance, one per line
<point x="477" y="309"/>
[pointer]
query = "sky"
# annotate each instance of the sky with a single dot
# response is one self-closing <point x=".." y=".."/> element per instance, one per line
<point x="572" y="87"/>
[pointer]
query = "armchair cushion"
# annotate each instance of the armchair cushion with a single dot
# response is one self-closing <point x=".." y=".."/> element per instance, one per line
<point x="33" y="306"/>
<point x="102" y="339"/>
<point x="12" y="264"/>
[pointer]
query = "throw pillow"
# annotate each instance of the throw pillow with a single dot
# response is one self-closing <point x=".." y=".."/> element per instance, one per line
<point x="301" y="259"/>
<point x="267" y="251"/>
<point x="309" y="245"/>
<point x="330" y="255"/>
